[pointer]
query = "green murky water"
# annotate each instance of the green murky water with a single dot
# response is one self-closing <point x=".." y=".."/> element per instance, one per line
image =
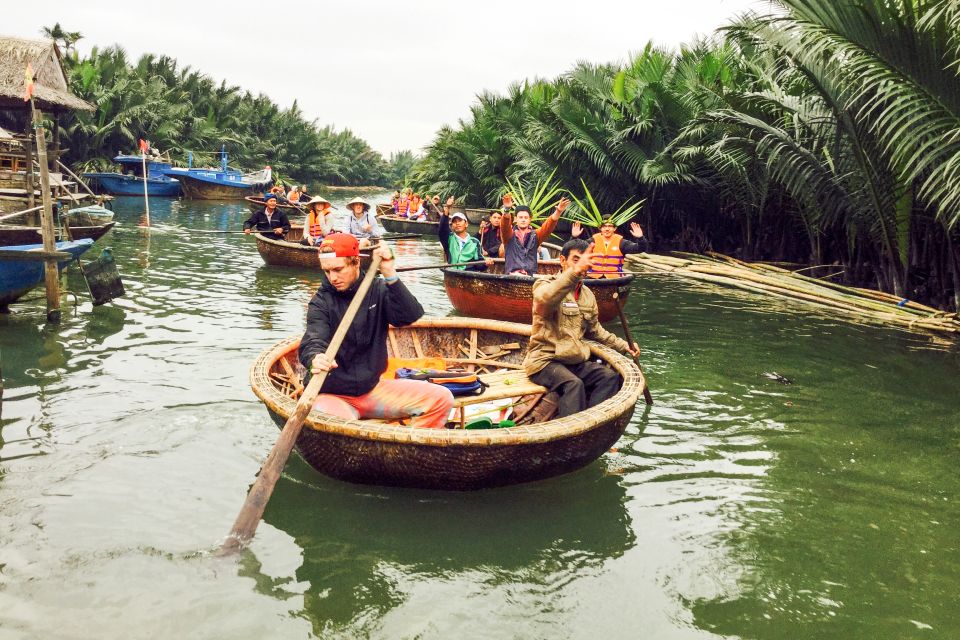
<point x="735" y="507"/>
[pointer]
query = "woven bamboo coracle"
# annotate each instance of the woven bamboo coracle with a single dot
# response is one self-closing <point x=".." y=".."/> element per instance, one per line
<point x="375" y="452"/>
<point x="491" y="294"/>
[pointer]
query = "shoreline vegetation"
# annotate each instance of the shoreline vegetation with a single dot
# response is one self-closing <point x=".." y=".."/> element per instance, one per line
<point x="181" y="110"/>
<point x="821" y="133"/>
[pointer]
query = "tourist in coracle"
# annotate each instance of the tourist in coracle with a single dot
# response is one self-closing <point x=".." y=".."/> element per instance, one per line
<point x="319" y="222"/>
<point x="293" y="195"/>
<point x="564" y="313"/>
<point x="360" y="222"/>
<point x="403" y="203"/>
<point x="522" y="242"/>
<point x="269" y="221"/>
<point x="610" y="248"/>
<point x="489" y="235"/>
<point x="459" y="246"/>
<point x="433" y="208"/>
<point x="353" y="388"/>
<point x="304" y="195"/>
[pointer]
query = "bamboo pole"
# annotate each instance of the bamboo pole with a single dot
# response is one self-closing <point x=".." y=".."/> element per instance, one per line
<point x="864" y="305"/>
<point x="51" y="273"/>
<point x="28" y="158"/>
<point x="146" y="198"/>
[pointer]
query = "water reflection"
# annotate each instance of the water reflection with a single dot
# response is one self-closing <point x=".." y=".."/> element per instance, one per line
<point x="354" y="539"/>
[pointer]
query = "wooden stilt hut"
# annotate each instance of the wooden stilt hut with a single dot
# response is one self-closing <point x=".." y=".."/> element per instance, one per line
<point x="18" y="175"/>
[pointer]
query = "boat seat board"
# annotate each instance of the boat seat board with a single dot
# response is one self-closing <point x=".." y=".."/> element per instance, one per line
<point x="501" y="384"/>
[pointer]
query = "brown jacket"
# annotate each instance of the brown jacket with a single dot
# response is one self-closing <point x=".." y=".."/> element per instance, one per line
<point x="561" y="322"/>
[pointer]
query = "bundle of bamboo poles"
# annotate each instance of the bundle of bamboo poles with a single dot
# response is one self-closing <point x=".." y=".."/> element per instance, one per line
<point x="866" y="305"/>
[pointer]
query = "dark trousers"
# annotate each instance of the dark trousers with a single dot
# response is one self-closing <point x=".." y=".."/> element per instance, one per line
<point x="579" y="385"/>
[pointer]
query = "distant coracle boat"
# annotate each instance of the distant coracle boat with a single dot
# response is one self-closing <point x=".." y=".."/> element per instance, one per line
<point x="290" y="253"/>
<point x="256" y="203"/>
<point x="396" y="224"/>
<point x="384" y="453"/>
<point x="495" y="295"/>
<point x="89" y="216"/>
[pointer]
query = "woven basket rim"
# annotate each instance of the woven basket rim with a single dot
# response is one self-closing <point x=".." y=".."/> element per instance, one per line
<point x="558" y="429"/>
<point x="625" y="279"/>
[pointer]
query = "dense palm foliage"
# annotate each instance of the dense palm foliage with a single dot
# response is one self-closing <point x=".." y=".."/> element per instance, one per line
<point x="824" y="133"/>
<point x="182" y="110"/>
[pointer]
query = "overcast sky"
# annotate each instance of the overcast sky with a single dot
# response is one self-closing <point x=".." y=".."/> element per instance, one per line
<point x="392" y="72"/>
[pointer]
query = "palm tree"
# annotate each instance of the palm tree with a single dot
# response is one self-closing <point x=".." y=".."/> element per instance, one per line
<point x="60" y="36"/>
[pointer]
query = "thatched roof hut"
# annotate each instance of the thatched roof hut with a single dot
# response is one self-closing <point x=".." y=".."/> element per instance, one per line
<point x="51" y="91"/>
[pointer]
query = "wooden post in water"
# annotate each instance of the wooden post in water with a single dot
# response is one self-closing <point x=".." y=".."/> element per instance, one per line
<point x="28" y="156"/>
<point x="51" y="273"/>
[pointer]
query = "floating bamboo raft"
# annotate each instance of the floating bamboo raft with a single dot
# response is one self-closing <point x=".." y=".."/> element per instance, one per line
<point x="865" y="305"/>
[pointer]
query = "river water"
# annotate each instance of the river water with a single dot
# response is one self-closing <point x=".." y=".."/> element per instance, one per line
<point x="736" y="507"/>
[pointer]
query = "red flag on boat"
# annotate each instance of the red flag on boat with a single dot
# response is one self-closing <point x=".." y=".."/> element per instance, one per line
<point x="144" y="146"/>
<point x="28" y="83"/>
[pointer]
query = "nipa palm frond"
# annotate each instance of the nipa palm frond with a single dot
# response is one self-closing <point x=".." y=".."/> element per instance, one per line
<point x="587" y="211"/>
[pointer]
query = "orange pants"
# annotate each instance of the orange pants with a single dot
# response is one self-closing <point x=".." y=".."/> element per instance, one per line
<point x="426" y="403"/>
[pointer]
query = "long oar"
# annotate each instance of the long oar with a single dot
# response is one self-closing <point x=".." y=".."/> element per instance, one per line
<point x="626" y="332"/>
<point x="442" y="266"/>
<point x="249" y="517"/>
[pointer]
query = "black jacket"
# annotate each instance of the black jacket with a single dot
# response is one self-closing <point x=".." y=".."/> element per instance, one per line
<point x="259" y="222"/>
<point x="363" y="355"/>
<point x="490" y="242"/>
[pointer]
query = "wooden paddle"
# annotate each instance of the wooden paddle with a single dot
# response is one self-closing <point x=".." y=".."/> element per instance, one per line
<point x="441" y="266"/>
<point x="647" y="397"/>
<point x="249" y="517"/>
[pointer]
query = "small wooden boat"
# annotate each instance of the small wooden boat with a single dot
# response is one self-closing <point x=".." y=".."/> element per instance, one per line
<point x="290" y="253"/>
<point x="130" y="181"/>
<point x="474" y="215"/>
<point x="554" y="249"/>
<point x="385" y="209"/>
<point x="88" y="216"/>
<point x="491" y="294"/>
<point x="221" y="183"/>
<point x="396" y="224"/>
<point x="256" y="203"/>
<point x="376" y="452"/>
<point x="16" y="234"/>
<point x="19" y="275"/>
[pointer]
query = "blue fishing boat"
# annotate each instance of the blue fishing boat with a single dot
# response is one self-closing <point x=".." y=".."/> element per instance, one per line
<point x="18" y="276"/>
<point x="222" y="183"/>
<point x="129" y="182"/>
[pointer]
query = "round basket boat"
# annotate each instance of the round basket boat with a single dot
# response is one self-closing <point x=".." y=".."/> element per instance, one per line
<point x="396" y="224"/>
<point x="256" y="204"/>
<point x="491" y="294"/>
<point x="375" y="452"/>
<point x="290" y="253"/>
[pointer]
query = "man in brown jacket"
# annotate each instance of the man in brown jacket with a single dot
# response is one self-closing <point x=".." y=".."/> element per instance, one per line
<point x="564" y="312"/>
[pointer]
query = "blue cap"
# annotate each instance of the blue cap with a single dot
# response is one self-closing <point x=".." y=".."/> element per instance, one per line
<point x="270" y="196"/>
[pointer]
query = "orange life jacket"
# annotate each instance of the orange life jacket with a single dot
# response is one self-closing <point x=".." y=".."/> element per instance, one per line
<point x="293" y="196"/>
<point x="607" y="256"/>
<point x="314" y="228"/>
<point x="402" y="205"/>
<point x="414" y="204"/>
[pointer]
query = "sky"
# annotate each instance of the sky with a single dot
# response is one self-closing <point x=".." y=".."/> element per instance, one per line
<point x="391" y="72"/>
